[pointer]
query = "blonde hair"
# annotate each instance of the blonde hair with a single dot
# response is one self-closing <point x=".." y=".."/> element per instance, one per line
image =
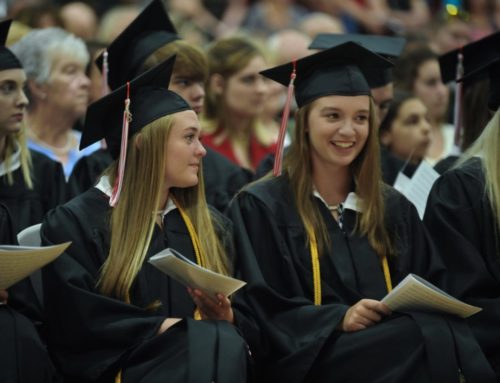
<point x="133" y="218"/>
<point x="368" y="185"/>
<point x="486" y="147"/>
<point x="12" y="143"/>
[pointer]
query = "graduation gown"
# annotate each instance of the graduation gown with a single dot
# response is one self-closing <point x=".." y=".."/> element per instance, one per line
<point x="87" y="171"/>
<point x="391" y="165"/>
<point x="23" y="355"/>
<point x="295" y="341"/>
<point x="460" y="219"/>
<point x="222" y="178"/>
<point x="6" y="232"/>
<point x="28" y="206"/>
<point x="446" y="164"/>
<point x="93" y="336"/>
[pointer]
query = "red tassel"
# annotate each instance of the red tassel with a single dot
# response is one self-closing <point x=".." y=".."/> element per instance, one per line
<point x="278" y="156"/>
<point x="457" y="112"/>
<point x="127" y="117"/>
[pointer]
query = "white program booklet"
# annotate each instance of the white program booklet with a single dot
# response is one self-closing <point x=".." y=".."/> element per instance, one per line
<point x="17" y="262"/>
<point x="417" y="294"/>
<point x="190" y="274"/>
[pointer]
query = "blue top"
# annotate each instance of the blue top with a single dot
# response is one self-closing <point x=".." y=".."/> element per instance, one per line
<point x="74" y="154"/>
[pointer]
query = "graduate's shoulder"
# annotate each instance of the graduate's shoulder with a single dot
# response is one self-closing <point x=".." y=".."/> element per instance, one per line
<point x="397" y="207"/>
<point x="43" y="164"/>
<point x="86" y="210"/>
<point x="465" y="179"/>
<point x="273" y="192"/>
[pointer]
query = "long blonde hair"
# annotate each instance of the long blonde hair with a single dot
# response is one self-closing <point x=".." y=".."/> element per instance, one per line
<point x="14" y="141"/>
<point x="486" y="147"/>
<point x="368" y="185"/>
<point x="133" y="218"/>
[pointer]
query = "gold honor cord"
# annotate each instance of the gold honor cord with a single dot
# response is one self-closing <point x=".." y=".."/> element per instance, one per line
<point x="200" y="260"/>
<point x="313" y="246"/>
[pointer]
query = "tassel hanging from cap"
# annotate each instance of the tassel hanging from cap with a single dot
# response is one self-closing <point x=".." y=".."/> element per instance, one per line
<point x="457" y="112"/>
<point x="105" y="70"/>
<point x="127" y="117"/>
<point x="278" y="157"/>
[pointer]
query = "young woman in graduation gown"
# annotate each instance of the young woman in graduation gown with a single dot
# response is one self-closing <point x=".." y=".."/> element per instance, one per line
<point x="463" y="216"/>
<point x="112" y="315"/>
<point x="30" y="183"/>
<point x="321" y="244"/>
<point x="147" y="41"/>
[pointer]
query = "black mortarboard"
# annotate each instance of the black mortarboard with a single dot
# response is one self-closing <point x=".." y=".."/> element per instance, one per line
<point x="475" y="55"/>
<point x="481" y="59"/>
<point x="346" y="69"/>
<point x="386" y="46"/>
<point x="150" y="30"/>
<point x="7" y="59"/>
<point x="149" y="100"/>
<point x="492" y="71"/>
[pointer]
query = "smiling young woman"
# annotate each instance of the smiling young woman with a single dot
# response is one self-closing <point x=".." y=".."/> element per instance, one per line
<point x="321" y="244"/>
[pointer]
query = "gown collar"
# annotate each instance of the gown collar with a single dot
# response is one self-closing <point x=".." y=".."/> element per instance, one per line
<point x="352" y="202"/>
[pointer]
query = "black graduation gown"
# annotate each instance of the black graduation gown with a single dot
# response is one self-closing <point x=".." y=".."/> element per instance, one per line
<point x="6" y="232"/>
<point x="87" y="171"/>
<point x="391" y="165"/>
<point x="93" y="336"/>
<point x="24" y="357"/>
<point x="445" y="164"/>
<point x="222" y="178"/>
<point x="461" y="221"/>
<point x="28" y="206"/>
<point x="295" y="341"/>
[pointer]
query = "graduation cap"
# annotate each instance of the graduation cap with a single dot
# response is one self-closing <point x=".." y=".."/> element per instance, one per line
<point x="491" y="70"/>
<point x="150" y="30"/>
<point x="475" y="61"/>
<point x="475" y="56"/>
<point x="7" y="59"/>
<point x="146" y="99"/>
<point x="345" y="70"/>
<point x="385" y="46"/>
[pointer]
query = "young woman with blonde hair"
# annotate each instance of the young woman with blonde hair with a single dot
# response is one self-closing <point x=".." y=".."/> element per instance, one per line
<point x="133" y="322"/>
<point x="30" y="183"/>
<point x="321" y="244"/>
<point x="23" y="354"/>
<point x="463" y="216"/>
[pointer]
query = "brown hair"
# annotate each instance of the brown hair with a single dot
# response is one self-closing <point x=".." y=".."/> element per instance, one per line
<point x="368" y="185"/>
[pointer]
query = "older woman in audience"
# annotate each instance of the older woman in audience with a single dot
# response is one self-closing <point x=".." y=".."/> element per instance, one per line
<point x="58" y="90"/>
